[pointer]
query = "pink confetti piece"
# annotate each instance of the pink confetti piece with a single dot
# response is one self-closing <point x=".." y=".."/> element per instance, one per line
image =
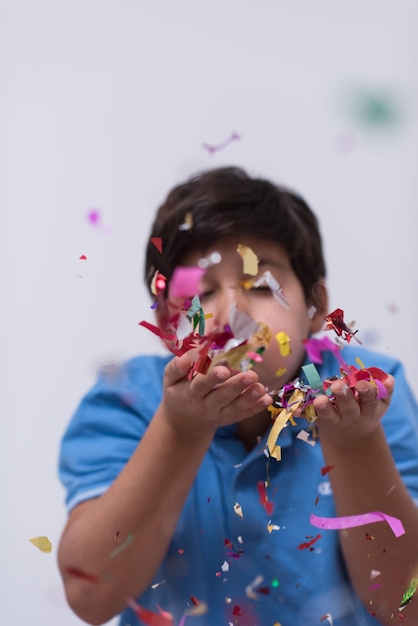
<point x="93" y="217"/>
<point x="83" y="257"/>
<point x="212" y="149"/>
<point x="185" y="282"/>
<point x="350" y="521"/>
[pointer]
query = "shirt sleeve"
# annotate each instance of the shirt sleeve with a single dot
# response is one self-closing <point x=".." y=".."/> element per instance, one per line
<point x="107" y="427"/>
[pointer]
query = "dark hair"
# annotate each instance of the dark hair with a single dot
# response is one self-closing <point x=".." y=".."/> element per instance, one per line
<point x="227" y="201"/>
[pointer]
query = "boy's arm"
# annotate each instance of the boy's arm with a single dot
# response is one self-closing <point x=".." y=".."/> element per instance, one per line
<point x="143" y="504"/>
<point x="365" y="479"/>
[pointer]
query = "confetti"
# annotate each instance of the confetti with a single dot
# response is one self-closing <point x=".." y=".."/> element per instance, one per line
<point x="308" y="544"/>
<point x="83" y="257"/>
<point x="155" y="585"/>
<point x="184" y="282"/>
<point x="335" y="321"/>
<point x="122" y="546"/>
<point x="271" y="527"/>
<point x="326" y="469"/>
<point x="94" y="218"/>
<point x="158" y="243"/>
<point x="283" y="340"/>
<point x="281" y="420"/>
<point x="249" y="258"/>
<point x="374" y="573"/>
<point x="375" y="109"/>
<point x="42" y="543"/>
<point x="350" y="521"/>
<point x="268" y="279"/>
<point x="187" y="223"/>
<point x="238" y="509"/>
<point x="149" y="617"/>
<point x="409" y="594"/>
<point x="212" y="149"/>
<point x="304" y="436"/>
<point x="250" y="589"/>
<point x="263" y="497"/>
<point x="327" y="617"/>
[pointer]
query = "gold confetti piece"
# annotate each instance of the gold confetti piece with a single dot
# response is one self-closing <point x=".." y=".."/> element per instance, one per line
<point x="271" y="527"/>
<point x="42" y="543"/>
<point x="238" y="509"/>
<point x="286" y="415"/>
<point x="280" y="371"/>
<point x="249" y="258"/>
<point x="188" y="222"/>
<point x="283" y="340"/>
<point x="199" y="609"/>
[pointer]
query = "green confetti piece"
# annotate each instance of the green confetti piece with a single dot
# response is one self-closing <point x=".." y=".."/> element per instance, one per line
<point x="409" y="593"/>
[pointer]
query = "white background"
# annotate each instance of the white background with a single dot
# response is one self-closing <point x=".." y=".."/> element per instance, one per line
<point x="105" y="105"/>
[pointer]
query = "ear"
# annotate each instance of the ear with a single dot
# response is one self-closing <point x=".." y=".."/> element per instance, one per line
<point x="319" y="305"/>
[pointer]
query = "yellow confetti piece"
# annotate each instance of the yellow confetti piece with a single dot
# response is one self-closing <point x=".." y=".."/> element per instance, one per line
<point x="238" y="509"/>
<point x="249" y="258"/>
<point x="283" y="340"/>
<point x="271" y="527"/>
<point x="280" y="371"/>
<point x="188" y="222"/>
<point x="286" y="415"/>
<point x="42" y="543"/>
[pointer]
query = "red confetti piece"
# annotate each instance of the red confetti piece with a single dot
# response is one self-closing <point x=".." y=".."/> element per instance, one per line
<point x="83" y="257"/>
<point x="181" y="550"/>
<point x="264" y="590"/>
<point x="326" y="469"/>
<point x="369" y="537"/>
<point x="308" y="544"/>
<point x="267" y="504"/>
<point x="194" y="601"/>
<point x="335" y="321"/>
<point x="158" y="243"/>
<point x="236" y="610"/>
<point x="163" y="618"/>
<point x="74" y="571"/>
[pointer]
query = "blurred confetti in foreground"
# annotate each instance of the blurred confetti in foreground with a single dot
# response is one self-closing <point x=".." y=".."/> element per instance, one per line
<point x="42" y="543"/>
<point x="375" y="108"/>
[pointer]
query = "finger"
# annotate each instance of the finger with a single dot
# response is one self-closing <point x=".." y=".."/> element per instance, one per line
<point x="325" y="410"/>
<point x="251" y="401"/>
<point x="226" y="385"/>
<point x="178" y="368"/>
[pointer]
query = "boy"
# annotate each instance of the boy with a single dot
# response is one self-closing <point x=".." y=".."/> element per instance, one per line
<point x="183" y="506"/>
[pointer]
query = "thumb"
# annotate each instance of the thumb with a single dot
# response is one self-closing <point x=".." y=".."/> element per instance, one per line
<point x="179" y="367"/>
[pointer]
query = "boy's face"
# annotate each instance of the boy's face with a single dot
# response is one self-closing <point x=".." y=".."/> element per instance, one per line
<point x="222" y="286"/>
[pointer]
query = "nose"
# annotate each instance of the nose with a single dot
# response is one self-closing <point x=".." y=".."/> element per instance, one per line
<point x="222" y="303"/>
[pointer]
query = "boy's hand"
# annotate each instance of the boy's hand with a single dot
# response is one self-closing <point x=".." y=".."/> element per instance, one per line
<point x="353" y="414"/>
<point x="218" y="398"/>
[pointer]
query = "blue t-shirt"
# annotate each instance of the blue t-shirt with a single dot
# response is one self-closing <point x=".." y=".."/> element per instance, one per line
<point x="250" y="569"/>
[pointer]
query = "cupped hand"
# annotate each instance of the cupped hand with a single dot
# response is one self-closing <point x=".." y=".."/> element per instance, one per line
<point x="351" y="413"/>
<point x="207" y="401"/>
